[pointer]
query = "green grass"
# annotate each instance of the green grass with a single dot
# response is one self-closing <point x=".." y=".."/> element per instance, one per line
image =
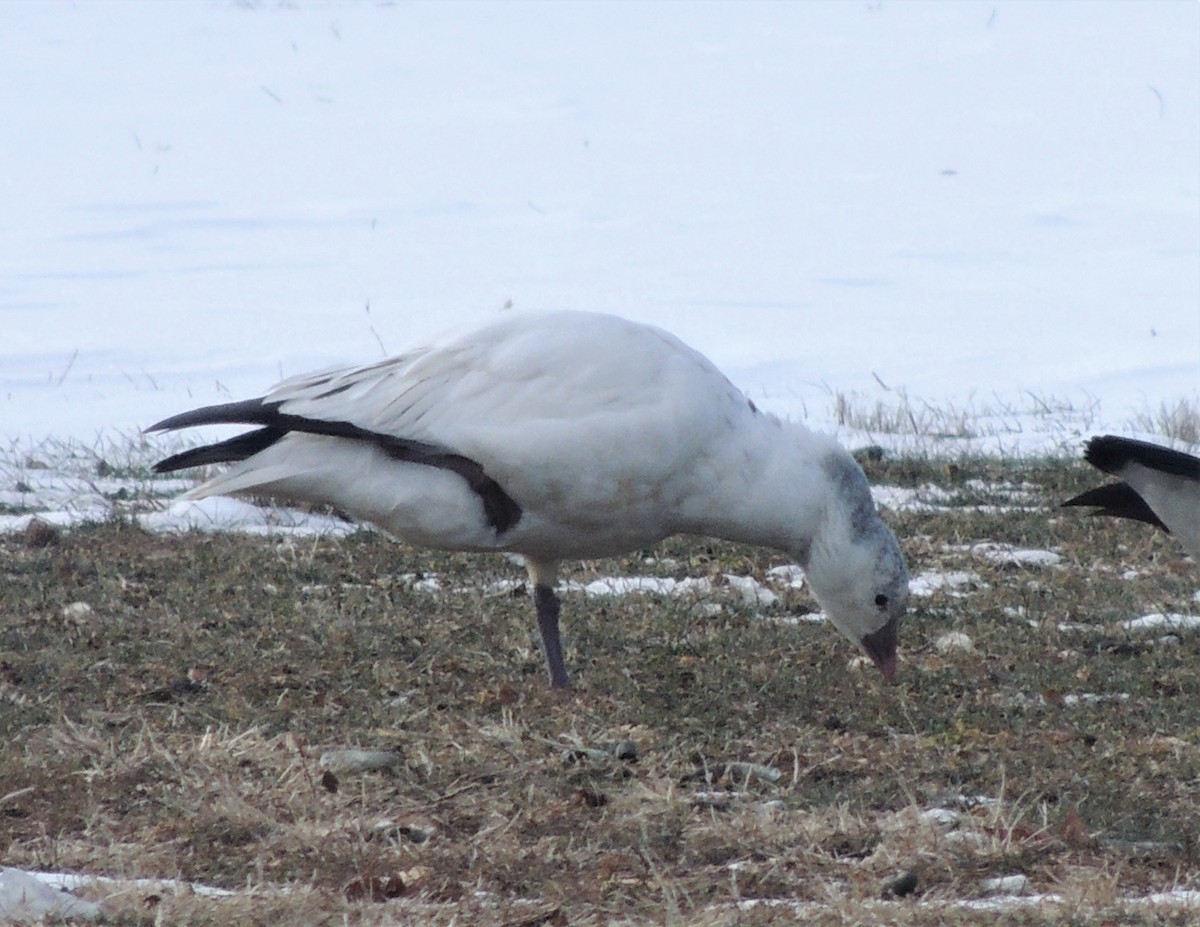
<point x="174" y="728"/>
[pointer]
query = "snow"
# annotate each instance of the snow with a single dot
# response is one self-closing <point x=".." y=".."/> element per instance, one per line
<point x="46" y="894"/>
<point x="950" y="582"/>
<point x="1159" y="621"/>
<point x="1009" y="555"/>
<point x="986" y="217"/>
<point x="27" y="895"/>
<point x="227" y="514"/>
<point x="1007" y="498"/>
<point x="1067" y="700"/>
<point x="748" y="589"/>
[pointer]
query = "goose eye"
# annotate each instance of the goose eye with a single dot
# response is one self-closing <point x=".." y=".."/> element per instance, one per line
<point x="881" y="600"/>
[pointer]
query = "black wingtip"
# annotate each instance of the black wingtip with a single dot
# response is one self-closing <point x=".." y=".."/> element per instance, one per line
<point x="235" y="449"/>
<point x="1112" y="453"/>
<point x="500" y="509"/>
<point x="246" y="412"/>
<point x="1118" y="500"/>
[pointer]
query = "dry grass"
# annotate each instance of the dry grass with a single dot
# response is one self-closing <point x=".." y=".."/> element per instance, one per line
<point x="1178" y="420"/>
<point x="174" y="727"/>
<point x="933" y="423"/>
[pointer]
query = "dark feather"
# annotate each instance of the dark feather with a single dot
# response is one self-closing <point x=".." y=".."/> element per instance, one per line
<point x="247" y="412"/>
<point x="1112" y="454"/>
<point x="234" y="449"/>
<point x="500" y="508"/>
<point x="1119" y="501"/>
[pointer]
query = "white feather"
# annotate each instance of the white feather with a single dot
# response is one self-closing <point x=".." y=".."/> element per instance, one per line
<point x="1173" y="497"/>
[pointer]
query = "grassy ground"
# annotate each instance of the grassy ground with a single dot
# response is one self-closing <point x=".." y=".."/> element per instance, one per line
<point x="174" y="724"/>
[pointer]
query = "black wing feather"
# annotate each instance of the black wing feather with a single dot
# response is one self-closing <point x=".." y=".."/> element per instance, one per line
<point x="1118" y="500"/>
<point x="247" y="412"/>
<point x="501" y="509"/>
<point x="239" y="448"/>
<point x="1111" y="454"/>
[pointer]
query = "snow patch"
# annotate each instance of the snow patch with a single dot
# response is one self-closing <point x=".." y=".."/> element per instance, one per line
<point x="1158" y="621"/>
<point x="1009" y="555"/>
<point x="223" y="513"/>
<point x="749" y="590"/>
<point x="950" y="583"/>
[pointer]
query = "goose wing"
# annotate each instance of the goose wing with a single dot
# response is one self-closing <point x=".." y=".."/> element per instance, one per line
<point x="556" y="411"/>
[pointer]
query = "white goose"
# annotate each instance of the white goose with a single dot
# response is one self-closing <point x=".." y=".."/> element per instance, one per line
<point x="1158" y="485"/>
<point x="561" y="436"/>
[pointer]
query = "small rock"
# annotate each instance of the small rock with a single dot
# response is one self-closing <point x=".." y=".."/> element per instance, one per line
<point x="1005" y="885"/>
<point x="738" y="773"/>
<point x="624" y="750"/>
<point x="591" y="797"/>
<point x="352" y="761"/>
<point x="954" y="640"/>
<point x="40" y="533"/>
<point x="413" y="831"/>
<point x="76" y="610"/>
<point x="745" y="772"/>
<point x="904" y="884"/>
<point x="717" y="801"/>
<point x="940" y="817"/>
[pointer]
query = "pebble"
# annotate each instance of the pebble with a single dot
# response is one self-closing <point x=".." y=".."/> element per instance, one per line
<point x="954" y="640"/>
<point x="351" y="761"/>
<point x="40" y="533"/>
<point x="904" y="884"/>
<point x="1005" y="885"/>
<point x="940" y="817"/>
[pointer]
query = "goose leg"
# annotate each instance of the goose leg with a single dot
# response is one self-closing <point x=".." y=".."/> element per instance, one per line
<point x="543" y="574"/>
<point x="547" y="615"/>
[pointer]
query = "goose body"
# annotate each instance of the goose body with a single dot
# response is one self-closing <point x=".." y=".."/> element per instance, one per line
<point x="563" y="436"/>
<point x="1158" y="486"/>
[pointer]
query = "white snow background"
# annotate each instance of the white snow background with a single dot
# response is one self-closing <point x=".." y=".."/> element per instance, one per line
<point x="981" y="206"/>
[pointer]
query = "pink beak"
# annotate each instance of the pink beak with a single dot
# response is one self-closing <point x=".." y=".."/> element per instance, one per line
<point x="881" y="648"/>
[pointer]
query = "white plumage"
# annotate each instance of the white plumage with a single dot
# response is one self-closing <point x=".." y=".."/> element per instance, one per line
<point x="564" y="436"/>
